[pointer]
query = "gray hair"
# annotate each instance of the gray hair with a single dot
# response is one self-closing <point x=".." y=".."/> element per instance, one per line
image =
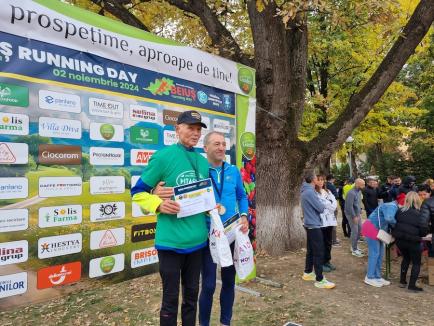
<point x="208" y="136"/>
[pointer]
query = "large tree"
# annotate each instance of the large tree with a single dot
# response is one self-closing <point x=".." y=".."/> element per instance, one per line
<point x="279" y="32"/>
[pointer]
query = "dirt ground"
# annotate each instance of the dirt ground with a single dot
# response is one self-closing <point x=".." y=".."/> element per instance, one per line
<point x="136" y="302"/>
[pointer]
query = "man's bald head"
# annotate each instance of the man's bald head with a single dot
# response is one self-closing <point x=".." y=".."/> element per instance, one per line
<point x="359" y="183"/>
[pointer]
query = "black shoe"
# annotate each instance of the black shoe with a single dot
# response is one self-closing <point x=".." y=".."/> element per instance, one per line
<point x="402" y="285"/>
<point x="415" y="288"/>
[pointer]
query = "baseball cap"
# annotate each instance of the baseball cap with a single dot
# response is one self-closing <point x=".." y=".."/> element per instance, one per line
<point x="191" y="118"/>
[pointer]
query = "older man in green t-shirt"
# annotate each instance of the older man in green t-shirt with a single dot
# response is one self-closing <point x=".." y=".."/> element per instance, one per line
<point x="178" y="240"/>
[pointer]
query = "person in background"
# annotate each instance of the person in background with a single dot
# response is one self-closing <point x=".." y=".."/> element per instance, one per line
<point x="347" y="187"/>
<point x="345" y="225"/>
<point x="330" y="185"/>
<point x="424" y="191"/>
<point x="370" y="195"/>
<point x="385" y="190"/>
<point x="409" y="229"/>
<point x="394" y="192"/>
<point x="427" y="214"/>
<point x="353" y="212"/>
<point x="430" y="183"/>
<point x="408" y="184"/>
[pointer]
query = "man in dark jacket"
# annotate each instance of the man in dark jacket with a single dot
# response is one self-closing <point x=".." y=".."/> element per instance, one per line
<point x="427" y="214"/>
<point x="370" y="196"/>
<point x="408" y="184"/>
<point x="385" y="189"/>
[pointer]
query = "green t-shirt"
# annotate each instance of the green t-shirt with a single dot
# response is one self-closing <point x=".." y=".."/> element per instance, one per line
<point x="175" y="165"/>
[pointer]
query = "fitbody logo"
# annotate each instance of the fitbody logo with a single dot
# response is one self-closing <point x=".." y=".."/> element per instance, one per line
<point x="58" y="275"/>
<point x="14" y="153"/>
<point x="13" y="284"/>
<point x="60" y="186"/>
<point x="11" y="188"/>
<point x="143" y="232"/>
<point x="59" y="245"/>
<point x="14" y="124"/>
<point x="106" y="265"/>
<point x="101" y="212"/>
<point x="142" y="135"/>
<point x="141" y="157"/>
<point x="170" y="137"/>
<point x="56" y="101"/>
<point x="106" y="108"/>
<point x="60" y="215"/>
<point x="107" y="185"/>
<point x="60" y="128"/>
<point x="166" y="86"/>
<point x="106" y="131"/>
<point x="143" y="257"/>
<point x="170" y="117"/>
<point x="14" y="95"/>
<point x="143" y="113"/>
<point x="14" y="220"/>
<point x="14" y="252"/>
<point x="106" y="156"/>
<point x="59" y="154"/>
<point x="107" y="238"/>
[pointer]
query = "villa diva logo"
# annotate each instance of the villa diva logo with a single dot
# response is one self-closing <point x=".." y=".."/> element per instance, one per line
<point x="13" y="284"/>
<point x="107" y="238"/>
<point x="143" y="113"/>
<point x="60" y="215"/>
<point x="12" y="220"/>
<point x="106" y="108"/>
<point x="14" y="153"/>
<point x="14" y="124"/>
<point x="14" y="252"/>
<point x="50" y="100"/>
<point x="59" y="245"/>
<point x="11" y="188"/>
<point x="106" y="265"/>
<point x="58" y="275"/>
<point x="60" y="186"/>
<point x="59" y="128"/>
<point x="59" y="154"/>
<point x="140" y="156"/>
<point x="143" y="257"/>
<point x="106" y="132"/>
<point x="101" y="212"/>
<point x="106" y="156"/>
<point x="107" y="185"/>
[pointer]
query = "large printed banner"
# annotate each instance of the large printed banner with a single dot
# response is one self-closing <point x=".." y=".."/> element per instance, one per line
<point x="81" y="113"/>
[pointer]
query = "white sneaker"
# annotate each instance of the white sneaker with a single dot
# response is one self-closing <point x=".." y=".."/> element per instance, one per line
<point x="383" y="281"/>
<point x="357" y="253"/>
<point x="373" y="282"/>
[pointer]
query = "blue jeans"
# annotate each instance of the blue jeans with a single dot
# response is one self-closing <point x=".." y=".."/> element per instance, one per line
<point x="227" y="293"/>
<point x="375" y="258"/>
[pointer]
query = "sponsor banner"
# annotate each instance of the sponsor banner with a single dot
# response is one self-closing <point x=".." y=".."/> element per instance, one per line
<point x="14" y="95"/>
<point x="59" y="245"/>
<point x="134" y="179"/>
<point x="14" y="219"/>
<point x="60" y="215"/>
<point x="143" y="135"/>
<point x="56" y="101"/>
<point x="143" y="232"/>
<point x="170" y="117"/>
<point x="59" y="128"/>
<point x="106" y="131"/>
<point x="13" y="284"/>
<point x="227" y="159"/>
<point x="107" y="238"/>
<point x="228" y="143"/>
<point x="221" y="126"/>
<point x="143" y="113"/>
<point x="107" y="185"/>
<point x="106" y="108"/>
<point x="14" y="124"/>
<point x="14" y="252"/>
<point x="101" y="212"/>
<point x="14" y="153"/>
<point x="170" y="137"/>
<point x="11" y="188"/>
<point x="200" y="142"/>
<point x="106" y="156"/>
<point x="143" y="257"/>
<point x="59" y="154"/>
<point x="141" y="156"/>
<point x="60" y="186"/>
<point x="58" y="275"/>
<point x="106" y="265"/>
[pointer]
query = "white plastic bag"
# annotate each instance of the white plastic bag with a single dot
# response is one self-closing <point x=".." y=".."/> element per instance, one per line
<point x="243" y="254"/>
<point x="218" y="242"/>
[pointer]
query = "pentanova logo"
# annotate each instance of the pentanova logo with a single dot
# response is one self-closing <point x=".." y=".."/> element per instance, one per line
<point x="59" y="154"/>
<point x="14" y="124"/>
<point x="50" y="100"/>
<point x="60" y="215"/>
<point x="141" y="157"/>
<point x="14" y="95"/>
<point x="58" y="275"/>
<point x="59" y="245"/>
<point x="14" y="252"/>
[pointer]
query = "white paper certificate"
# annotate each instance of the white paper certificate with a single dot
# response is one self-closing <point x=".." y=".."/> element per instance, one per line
<point x="195" y="198"/>
<point x="230" y="226"/>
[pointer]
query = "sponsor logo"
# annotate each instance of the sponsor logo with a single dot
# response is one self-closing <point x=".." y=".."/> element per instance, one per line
<point x="228" y="159"/>
<point x="143" y="232"/>
<point x="248" y="144"/>
<point x="142" y="135"/>
<point x="170" y="117"/>
<point x="107" y="185"/>
<point x="227" y="102"/>
<point x="106" y="108"/>
<point x="170" y="137"/>
<point x="59" y="245"/>
<point x="59" y="154"/>
<point x="60" y="215"/>
<point x="206" y="121"/>
<point x="245" y="80"/>
<point x="166" y="86"/>
<point x="11" y="188"/>
<point x="186" y="177"/>
<point x="50" y="100"/>
<point x="106" y="156"/>
<point x="13" y="284"/>
<point x="14" y="153"/>
<point x="106" y="265"/>
<point x="143" y="113"/>
<point x="143" y="257"/>
<point x="107" y="238"/>
<point x="14" y="124"/>
<point x="100" y="212"/>
<point x="60" y="128"/>
<point x="141" y="157"/>
<point x="202" y="97"/>
<point x="228" y="143"/>
<point x="221" y="126"/>
<point x="14" y="95"/>
<point x="14" y="252"/>
<point x="14" y="220"/>
<point x="58" y="275"/>
<point x="106" y="131"/>
<point x="160" y="86"/>
<point x="60" y="186"/>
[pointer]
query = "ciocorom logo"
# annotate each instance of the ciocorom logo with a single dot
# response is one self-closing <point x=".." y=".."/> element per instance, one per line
<point x="141" y="157"/>
<point x="11" y="188"/>
<point x="50" y="100"/>
<point x="14" y="124"/>
<point x="101" y="212"/>
<point x="107" y="185"/>
<point x="60" y="186"/>
<point x="58" y="275"/>
<point x="106" y="156"/>
<point x="143" y="257"/>
<point x="14" y="153"/>
<point x="106" y="132"/>
<point x="59" y="128"/>
<point x="143" y="113"/>
<point x="13" y="284"/>
<point x="14" y="252"/>
<point x="60" y="215"/>
<point x="14" y="220"/>
<point x="107" y="238"/>
<point x="106" y="265"/>
<point x="106" y="108"/>
<point x="59" y="154"/>
<point x="59" y="245"/>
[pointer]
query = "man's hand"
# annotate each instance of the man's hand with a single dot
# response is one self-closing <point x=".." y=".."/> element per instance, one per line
<point x="356" y="219"/>
<point x="168" y="206"/>
<point x="244" y="224"/>
<point x="163" y="192"/>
